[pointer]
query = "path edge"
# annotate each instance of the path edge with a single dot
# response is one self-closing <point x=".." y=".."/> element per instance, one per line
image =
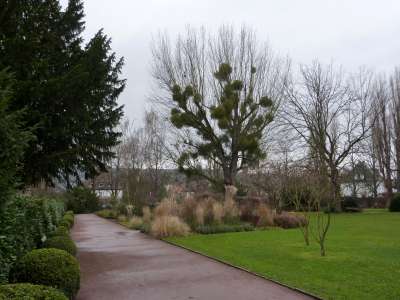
<point x="242" y="269"/>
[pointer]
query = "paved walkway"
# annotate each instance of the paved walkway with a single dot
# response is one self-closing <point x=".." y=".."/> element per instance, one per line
<point x="118" y="264"/>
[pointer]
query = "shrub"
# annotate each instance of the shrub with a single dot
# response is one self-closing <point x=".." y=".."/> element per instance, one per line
<point x="69" y="217"/>
<point x="145" y="228"/>
<point x="135" y="223"/>
<point x="395" y="203"/>
<point x="61" y="231"/>
<point x="164" y="226"/>
<point x="211" y="229"/>
<point x="61" y="242"/>
<point x="106" y="213"/>
<point x="24" y="223"/>
<point x="146" y="215"/>
<point x="289" y="220"/>
<point x="52" y="267"/>
<point x="82" y="200"/>
<point x="265" y="216"/>
<point x="27" y="291"/>
<point x="351" y="204"/>
<point x="65" y="223"/>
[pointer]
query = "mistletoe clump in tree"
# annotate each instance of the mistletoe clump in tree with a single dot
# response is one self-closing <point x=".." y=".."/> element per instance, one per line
<point x="235" y="140"/>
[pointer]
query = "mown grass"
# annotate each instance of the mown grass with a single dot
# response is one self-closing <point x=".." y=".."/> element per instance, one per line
<point x="362" y="262"/>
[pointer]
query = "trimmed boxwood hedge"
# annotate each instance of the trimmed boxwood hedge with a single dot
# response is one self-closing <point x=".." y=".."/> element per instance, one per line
<point x="52" y="267"/>
<point x="27" y="291"/>
<point x="25" y="222"/>
<point x="61" y="231"/>
<point x="61" y="242"/>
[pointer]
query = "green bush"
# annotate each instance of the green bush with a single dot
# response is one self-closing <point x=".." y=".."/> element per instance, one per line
<point x="395" y="203"/>
<point x="69" y="218"/>
<point x="27" y="291"/>
<point x="211" y="229"/>
<point x="61" y="242"/>
<point x="145" y="228"/>
<point x="82" y="200"/>
<point x="25" y="222"/>
<point x="61" y="231"/>
<point x="65" y="223"/>
<point x="107" y="213"/>
<point x="52" y="267"/>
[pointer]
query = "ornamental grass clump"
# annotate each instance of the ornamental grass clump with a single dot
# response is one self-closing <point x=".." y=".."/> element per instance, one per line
<point x="217" y="212"/>
<point x="135" y="222"/>
<point x="265" y="216"/>
<point x="167" y="207"/>
<point x="166" y="226"/>
<point x="199" y="214"/>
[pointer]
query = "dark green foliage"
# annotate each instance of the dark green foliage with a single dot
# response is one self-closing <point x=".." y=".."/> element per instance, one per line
<point x="240" y="120"/>
<point x="65" y="223"/>
<point x="14" y="139"/>
<point x="107" y="213"/>
<point x="24" y="223"/>
<point x="351" y="204"/>
<point x="145" y="228"/>
<point x="61" y="242"/>
<point x="82" y="200"/>
<point x="68" y="90"/>
<point x="52" y="267"/>
<point x="211" y="229"/>
<point x="68" y="219"/>
<point x="395" y="203"/>
<point x="61" y="231"/>
<point x="27" y="291"/>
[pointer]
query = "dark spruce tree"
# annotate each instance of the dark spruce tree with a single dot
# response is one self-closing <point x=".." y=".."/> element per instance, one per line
<point x="14" y="138"/>
<point x="68" y="90"/>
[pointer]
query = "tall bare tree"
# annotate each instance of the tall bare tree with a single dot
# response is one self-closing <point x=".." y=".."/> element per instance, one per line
<point x="329" y="111"/>
<point x="155" y="155"/>
<point x="223" y="91"/>
<point x="382" y="135"/>
<point x="395" y="96"/>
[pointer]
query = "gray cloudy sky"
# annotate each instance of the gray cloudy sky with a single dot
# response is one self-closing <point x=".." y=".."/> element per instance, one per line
<point x="348" y="32"/>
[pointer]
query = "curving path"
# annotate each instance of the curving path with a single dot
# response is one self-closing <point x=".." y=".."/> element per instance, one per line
<point x="118" y="263"/>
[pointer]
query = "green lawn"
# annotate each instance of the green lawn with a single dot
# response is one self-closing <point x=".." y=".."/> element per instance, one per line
<point x="362" y="262"/>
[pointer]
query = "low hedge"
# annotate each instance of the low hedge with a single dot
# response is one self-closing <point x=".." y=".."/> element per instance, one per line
<point x="107" y="213"/>
<point x="27" y="291"/>
<point x="61" y="242"/>
<point x="69" y="217"/>
<point x="223" y="228"/>
<point x="51" y="267"/>
<point x="61" y="230"/>
<point x="25" y="222"/>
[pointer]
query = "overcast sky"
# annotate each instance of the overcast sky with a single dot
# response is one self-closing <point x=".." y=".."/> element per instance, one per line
<point x="351" y="33"/>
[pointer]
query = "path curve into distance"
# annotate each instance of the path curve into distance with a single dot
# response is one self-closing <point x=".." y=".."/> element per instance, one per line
<point x="118" y="264"/>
